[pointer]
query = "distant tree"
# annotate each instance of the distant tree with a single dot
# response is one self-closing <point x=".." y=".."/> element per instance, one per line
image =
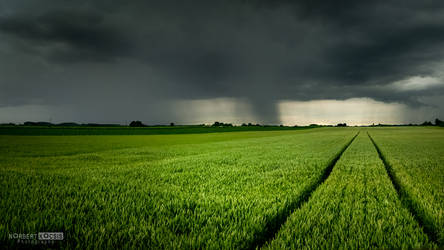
<point x="244" y="124"/>
<point x="427" y="123"/>
<point x="438" y="122"/>
<point x="137" y="124"/>
<point x="172" y="124"/>
<point x="249" y="124"/>
<point x="221" y="124"/>
<point x="342" y="125"/>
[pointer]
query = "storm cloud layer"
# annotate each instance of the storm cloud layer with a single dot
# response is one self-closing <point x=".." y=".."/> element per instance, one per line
<point x="116" y="60"/>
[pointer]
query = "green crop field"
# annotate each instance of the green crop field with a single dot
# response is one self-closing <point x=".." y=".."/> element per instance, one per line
<point x="123" y="130"/>
<point x="299" y="188"/>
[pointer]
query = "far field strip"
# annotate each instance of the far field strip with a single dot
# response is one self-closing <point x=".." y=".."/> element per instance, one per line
<point x="55" y="145"/>
<point x="20" y="130"/>
<point x="357" y="207"/>
<point x="415" y="161"/>
<point x="226" y="197"/>
<point x="85" y="152"/>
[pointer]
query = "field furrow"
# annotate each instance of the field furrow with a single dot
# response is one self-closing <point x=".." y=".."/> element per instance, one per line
<point x="357" y="207"/>
<point x="271" y="232"/>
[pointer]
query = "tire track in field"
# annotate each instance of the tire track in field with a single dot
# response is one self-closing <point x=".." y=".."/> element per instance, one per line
<point x="273" y="226"/>
<point x="406" y="201"/>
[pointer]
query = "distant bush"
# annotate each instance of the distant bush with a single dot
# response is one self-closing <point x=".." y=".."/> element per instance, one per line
<point x="342" y="125"/>
<point x="427" y="123"/>
<point x="137" y="124"/>
<point x="438" y="122"/>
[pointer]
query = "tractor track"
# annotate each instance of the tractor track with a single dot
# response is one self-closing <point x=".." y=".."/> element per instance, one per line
<point x="406" y="201"/>
<point x="273" y="227"/>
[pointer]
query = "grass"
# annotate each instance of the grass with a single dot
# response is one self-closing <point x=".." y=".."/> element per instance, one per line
<point x="175" y="191"/>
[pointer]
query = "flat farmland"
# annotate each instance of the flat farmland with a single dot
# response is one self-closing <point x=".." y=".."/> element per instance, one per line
<point x="312" y="188"/>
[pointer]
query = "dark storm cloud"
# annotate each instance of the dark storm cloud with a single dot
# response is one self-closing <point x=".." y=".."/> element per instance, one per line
<point x="264" y="51"/>
<point x="74" y="35"/>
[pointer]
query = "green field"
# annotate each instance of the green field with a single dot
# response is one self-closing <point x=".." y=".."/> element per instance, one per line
<point x="299" y="188"/>
<point x="124" y="130"/>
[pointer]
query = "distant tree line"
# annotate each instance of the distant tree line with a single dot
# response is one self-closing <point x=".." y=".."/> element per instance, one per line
<point x="250" y="124"/>
<point x="38" y="124"/>
<point x="67" y="124"/>
<point x="437" y="122"/>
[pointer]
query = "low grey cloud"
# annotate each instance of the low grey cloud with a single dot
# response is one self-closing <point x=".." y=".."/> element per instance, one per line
<point x="132" y="56"/>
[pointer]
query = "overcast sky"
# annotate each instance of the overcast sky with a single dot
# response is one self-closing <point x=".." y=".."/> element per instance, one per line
<point x="291" y="62"/>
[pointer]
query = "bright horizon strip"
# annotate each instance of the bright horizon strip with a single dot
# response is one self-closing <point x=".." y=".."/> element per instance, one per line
<point x="354" y="111"/>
